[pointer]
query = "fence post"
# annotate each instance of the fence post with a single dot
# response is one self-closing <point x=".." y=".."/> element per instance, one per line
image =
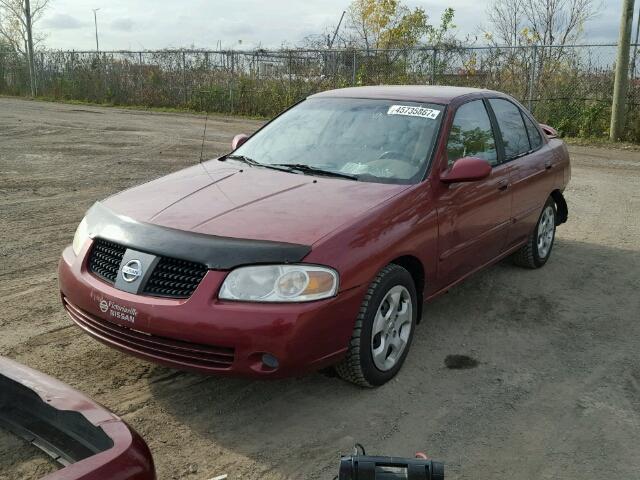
<point x="41" y="74"/>
<point x="290" y="60"/>
<point x="232" y="81"/>
<point x="532" y="78"/>
<point x="354" y="69"/>
<point x="434" y="66"/>
<point x="2" y="68"/>
<point x="140" y="77"/>
<point x="73" y="71"/>
<point x="184" y="77"/>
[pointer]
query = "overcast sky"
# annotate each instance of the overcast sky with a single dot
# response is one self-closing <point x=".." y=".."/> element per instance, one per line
<point x="154" y="24"/>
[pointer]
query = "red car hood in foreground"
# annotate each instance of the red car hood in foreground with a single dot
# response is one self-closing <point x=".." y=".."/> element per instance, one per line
<point x="229" y="199"/>
<point x="92" y="442"/>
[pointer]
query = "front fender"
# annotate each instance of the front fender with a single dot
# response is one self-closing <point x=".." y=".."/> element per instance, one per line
<point x="406" y="225"/>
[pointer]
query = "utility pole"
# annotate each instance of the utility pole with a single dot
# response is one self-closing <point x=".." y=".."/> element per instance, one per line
<point x="618" y="107"/>
<point x="95" y="21"/>
<point x="335" y="34"/>
<point x="32" y="68"/>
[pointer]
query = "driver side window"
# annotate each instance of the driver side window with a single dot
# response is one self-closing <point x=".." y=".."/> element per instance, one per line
<point x="471" y="134"/>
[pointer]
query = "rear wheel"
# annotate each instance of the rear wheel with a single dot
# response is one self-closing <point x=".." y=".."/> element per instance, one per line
<point x="383" y="330"/>
<point x="537" y="250"/>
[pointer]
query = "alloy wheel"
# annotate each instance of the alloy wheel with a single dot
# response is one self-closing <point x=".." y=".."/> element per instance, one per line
<point x="546" y="230"/>
<point x="391" y="328"/>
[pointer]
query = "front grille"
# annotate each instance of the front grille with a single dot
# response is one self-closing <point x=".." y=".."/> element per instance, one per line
<point x="175" y="352"/>
<point x="105" y="259"/>
<point x="172" y="277"/>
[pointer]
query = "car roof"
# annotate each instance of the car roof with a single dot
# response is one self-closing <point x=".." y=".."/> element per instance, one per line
<point x="416" y="93"/>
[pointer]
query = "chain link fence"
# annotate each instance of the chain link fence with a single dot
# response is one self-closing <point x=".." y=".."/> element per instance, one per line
<point x="569" y="87"/>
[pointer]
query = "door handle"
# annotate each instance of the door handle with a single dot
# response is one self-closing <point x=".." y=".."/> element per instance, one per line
<point x="548" y="164"/>
<point x="503" y="185"/>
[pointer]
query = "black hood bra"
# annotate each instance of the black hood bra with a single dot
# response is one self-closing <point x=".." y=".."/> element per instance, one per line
<point x="217" y="253"/>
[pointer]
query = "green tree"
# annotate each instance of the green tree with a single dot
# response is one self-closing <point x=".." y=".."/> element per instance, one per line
<point x="389" y="24"/>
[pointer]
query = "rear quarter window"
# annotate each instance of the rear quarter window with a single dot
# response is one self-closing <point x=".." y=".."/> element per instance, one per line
<point x="534" y="134"/>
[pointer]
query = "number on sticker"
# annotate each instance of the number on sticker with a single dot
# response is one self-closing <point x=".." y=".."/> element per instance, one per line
<point x="413" y="111"/>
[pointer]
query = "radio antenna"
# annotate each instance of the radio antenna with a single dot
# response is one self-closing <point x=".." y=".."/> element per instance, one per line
<point x="206" y="120"/>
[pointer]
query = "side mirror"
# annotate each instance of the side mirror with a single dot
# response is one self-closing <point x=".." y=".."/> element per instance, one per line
<point x="467" y="169"/>
<point x="238" y="140"/>
<point x="549" y="131"/>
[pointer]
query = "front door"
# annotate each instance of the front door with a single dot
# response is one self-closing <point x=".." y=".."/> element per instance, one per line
<point x="473" y="217"/>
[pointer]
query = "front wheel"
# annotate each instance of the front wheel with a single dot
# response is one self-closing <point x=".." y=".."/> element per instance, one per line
<point x="537" y="250"/>
<point x="383" y="330"/>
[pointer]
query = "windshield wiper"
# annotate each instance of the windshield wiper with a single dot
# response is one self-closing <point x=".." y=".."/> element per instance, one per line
<point x="252" y="162"/>
<point x="288" y="167"/>
<point x="304" y="168"/>
<point x="243" y="159"/>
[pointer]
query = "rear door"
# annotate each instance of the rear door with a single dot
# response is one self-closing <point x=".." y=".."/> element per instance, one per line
<point x="473" y="217"/>
<point x="531" y="163"/>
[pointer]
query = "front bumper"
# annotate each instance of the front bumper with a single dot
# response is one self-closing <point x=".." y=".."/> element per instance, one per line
<point x="205" y="334"/>
<point x="88" y="440"/>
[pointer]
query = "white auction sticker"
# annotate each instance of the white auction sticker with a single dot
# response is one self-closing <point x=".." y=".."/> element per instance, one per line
<point x="413" y="111"/>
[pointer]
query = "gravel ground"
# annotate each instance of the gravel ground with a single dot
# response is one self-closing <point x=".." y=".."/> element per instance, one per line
<point x="552" y="388"/>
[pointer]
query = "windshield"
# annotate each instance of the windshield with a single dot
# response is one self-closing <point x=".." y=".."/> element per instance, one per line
<point x="371" y="140"/>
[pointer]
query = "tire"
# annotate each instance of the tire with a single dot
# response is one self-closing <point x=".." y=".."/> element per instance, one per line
<point x="375" y="357"/>
<point x="537" y="250"/>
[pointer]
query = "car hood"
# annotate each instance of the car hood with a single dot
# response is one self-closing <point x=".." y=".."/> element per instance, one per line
<point x="229" y="199"/>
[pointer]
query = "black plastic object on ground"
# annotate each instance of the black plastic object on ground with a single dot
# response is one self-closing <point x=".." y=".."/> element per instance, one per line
<point x="363" y="467"/>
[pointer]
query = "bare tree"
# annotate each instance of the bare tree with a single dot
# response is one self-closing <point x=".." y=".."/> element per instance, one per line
<point x="558" y="22"/>
<point x="506" y="17"/>
<point x="546" y="22"/>
<point x="14" y="22"/>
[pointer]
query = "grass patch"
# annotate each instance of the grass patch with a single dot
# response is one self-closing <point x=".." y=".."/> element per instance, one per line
<point x="138" y="107"/>
<point x="601" y="143"/>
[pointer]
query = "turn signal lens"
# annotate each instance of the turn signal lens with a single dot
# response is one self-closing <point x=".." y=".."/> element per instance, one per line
<point x="319" y="281"/>
<point x="80" y="237"/>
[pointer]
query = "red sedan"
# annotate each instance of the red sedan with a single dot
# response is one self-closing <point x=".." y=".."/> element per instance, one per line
<point x="317" y="241"/>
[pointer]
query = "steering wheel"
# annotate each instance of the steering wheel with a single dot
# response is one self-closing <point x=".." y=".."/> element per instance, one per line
<point x="396" y="155"/>
<point x="392" y="154"/>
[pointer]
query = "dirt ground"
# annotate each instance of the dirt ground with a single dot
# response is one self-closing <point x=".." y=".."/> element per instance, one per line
<point x="22" y="461"/>
<point x="555" y="392"/>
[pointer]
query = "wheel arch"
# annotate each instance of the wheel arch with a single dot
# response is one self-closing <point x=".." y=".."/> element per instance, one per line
<point x="414" y="266"/>
<point x="561" y="207"/>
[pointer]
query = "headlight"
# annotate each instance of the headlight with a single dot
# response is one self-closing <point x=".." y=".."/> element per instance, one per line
<point x="81" y="236"/>
<point x="280" y="283"/>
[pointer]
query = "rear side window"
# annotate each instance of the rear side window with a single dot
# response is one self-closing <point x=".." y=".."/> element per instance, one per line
<point x="471" y="134"/>
<point x="514" y="133"/>
<point x="534" y="135"/>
